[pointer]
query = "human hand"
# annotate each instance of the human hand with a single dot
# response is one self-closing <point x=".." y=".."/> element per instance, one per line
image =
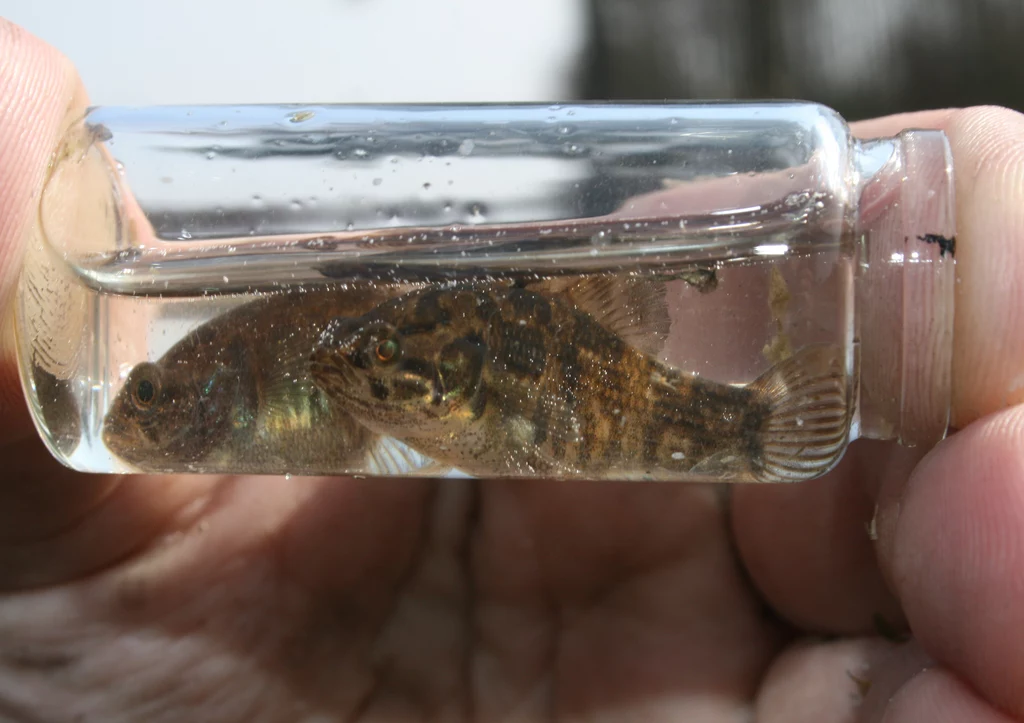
<point x="174" y="598"/>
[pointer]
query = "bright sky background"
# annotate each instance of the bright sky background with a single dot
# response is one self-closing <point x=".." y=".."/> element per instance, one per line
<point x="229" y="51"/>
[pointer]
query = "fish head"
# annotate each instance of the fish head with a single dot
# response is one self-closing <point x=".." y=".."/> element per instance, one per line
<point x="171" y="413"/>
<point x="408" y="366"/>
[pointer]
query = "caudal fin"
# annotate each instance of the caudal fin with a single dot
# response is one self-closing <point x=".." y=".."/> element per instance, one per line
<point x="807" y="427"/>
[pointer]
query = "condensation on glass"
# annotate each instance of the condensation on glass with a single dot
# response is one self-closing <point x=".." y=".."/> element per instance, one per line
<point x="674" y="292"/>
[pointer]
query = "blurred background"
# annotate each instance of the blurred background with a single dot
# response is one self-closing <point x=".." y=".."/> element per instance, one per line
<point x="862" y="57"/>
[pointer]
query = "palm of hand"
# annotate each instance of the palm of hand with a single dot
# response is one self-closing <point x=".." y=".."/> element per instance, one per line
<point x="409" y="600"/>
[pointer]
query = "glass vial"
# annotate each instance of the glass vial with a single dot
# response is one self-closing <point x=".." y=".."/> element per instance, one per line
<point x="720" y="291"/>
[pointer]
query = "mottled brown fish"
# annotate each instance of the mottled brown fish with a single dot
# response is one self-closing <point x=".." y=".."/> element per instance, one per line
<point x="512" y="382"/>
<point x="235" y="396"/>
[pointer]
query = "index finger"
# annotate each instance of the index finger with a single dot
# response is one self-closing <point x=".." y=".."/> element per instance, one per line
<point x="807" y="547"/>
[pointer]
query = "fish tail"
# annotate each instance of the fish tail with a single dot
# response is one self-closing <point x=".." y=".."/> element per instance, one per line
<point x="807" y="426"/>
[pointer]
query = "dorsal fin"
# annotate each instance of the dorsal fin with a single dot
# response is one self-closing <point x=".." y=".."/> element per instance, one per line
<point x="632" y="307"/>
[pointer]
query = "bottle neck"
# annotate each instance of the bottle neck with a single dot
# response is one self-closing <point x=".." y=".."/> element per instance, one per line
<point x="904" y="234"/>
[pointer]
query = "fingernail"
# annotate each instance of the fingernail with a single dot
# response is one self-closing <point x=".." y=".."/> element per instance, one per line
<point x="893" y="484"/>
<point x="888" y="677"/>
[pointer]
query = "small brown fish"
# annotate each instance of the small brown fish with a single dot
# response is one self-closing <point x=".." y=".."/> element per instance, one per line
<point x="235" y="396"/>
<point x="516" y="382"/>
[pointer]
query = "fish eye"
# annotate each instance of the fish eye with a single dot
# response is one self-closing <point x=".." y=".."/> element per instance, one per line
<point x="387" y="351"/>
<point x="145" y="391"/>
<point x="144" y="387"/>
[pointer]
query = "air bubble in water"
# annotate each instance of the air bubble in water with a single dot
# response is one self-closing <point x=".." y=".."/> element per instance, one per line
<point x="797" y="199"/>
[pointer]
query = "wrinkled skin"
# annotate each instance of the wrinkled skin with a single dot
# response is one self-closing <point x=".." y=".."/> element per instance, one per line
<point x="260" y="599"/>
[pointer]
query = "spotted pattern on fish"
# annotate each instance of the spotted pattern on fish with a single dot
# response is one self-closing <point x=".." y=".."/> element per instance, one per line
<point x="525" y="383"/>
<point x="518" y="349"/>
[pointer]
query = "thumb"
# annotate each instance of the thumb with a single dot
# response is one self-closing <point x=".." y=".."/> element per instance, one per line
<point x="40" y="94"/>
<point x="55" y="524"/>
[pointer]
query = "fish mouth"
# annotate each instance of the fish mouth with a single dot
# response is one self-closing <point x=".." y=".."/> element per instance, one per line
<point x="125" y="441"/>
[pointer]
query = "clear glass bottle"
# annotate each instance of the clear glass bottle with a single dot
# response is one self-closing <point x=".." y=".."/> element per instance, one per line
<point x="712" y="291"/>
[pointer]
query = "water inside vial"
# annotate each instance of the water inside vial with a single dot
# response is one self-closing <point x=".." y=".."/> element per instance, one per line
<point x="223" y="301"/>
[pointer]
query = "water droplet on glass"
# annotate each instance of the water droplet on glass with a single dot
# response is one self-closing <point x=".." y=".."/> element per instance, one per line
<point x="210" y="155"/>
<point x="295" y="205"/>
<point x="426" y="186"/>
<point x="466" y="147"/>
<point x="797" y="199"/>
<point x="378" y="181"/>
<point x="360" y="152"/>
<point x="301" y="115"/>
